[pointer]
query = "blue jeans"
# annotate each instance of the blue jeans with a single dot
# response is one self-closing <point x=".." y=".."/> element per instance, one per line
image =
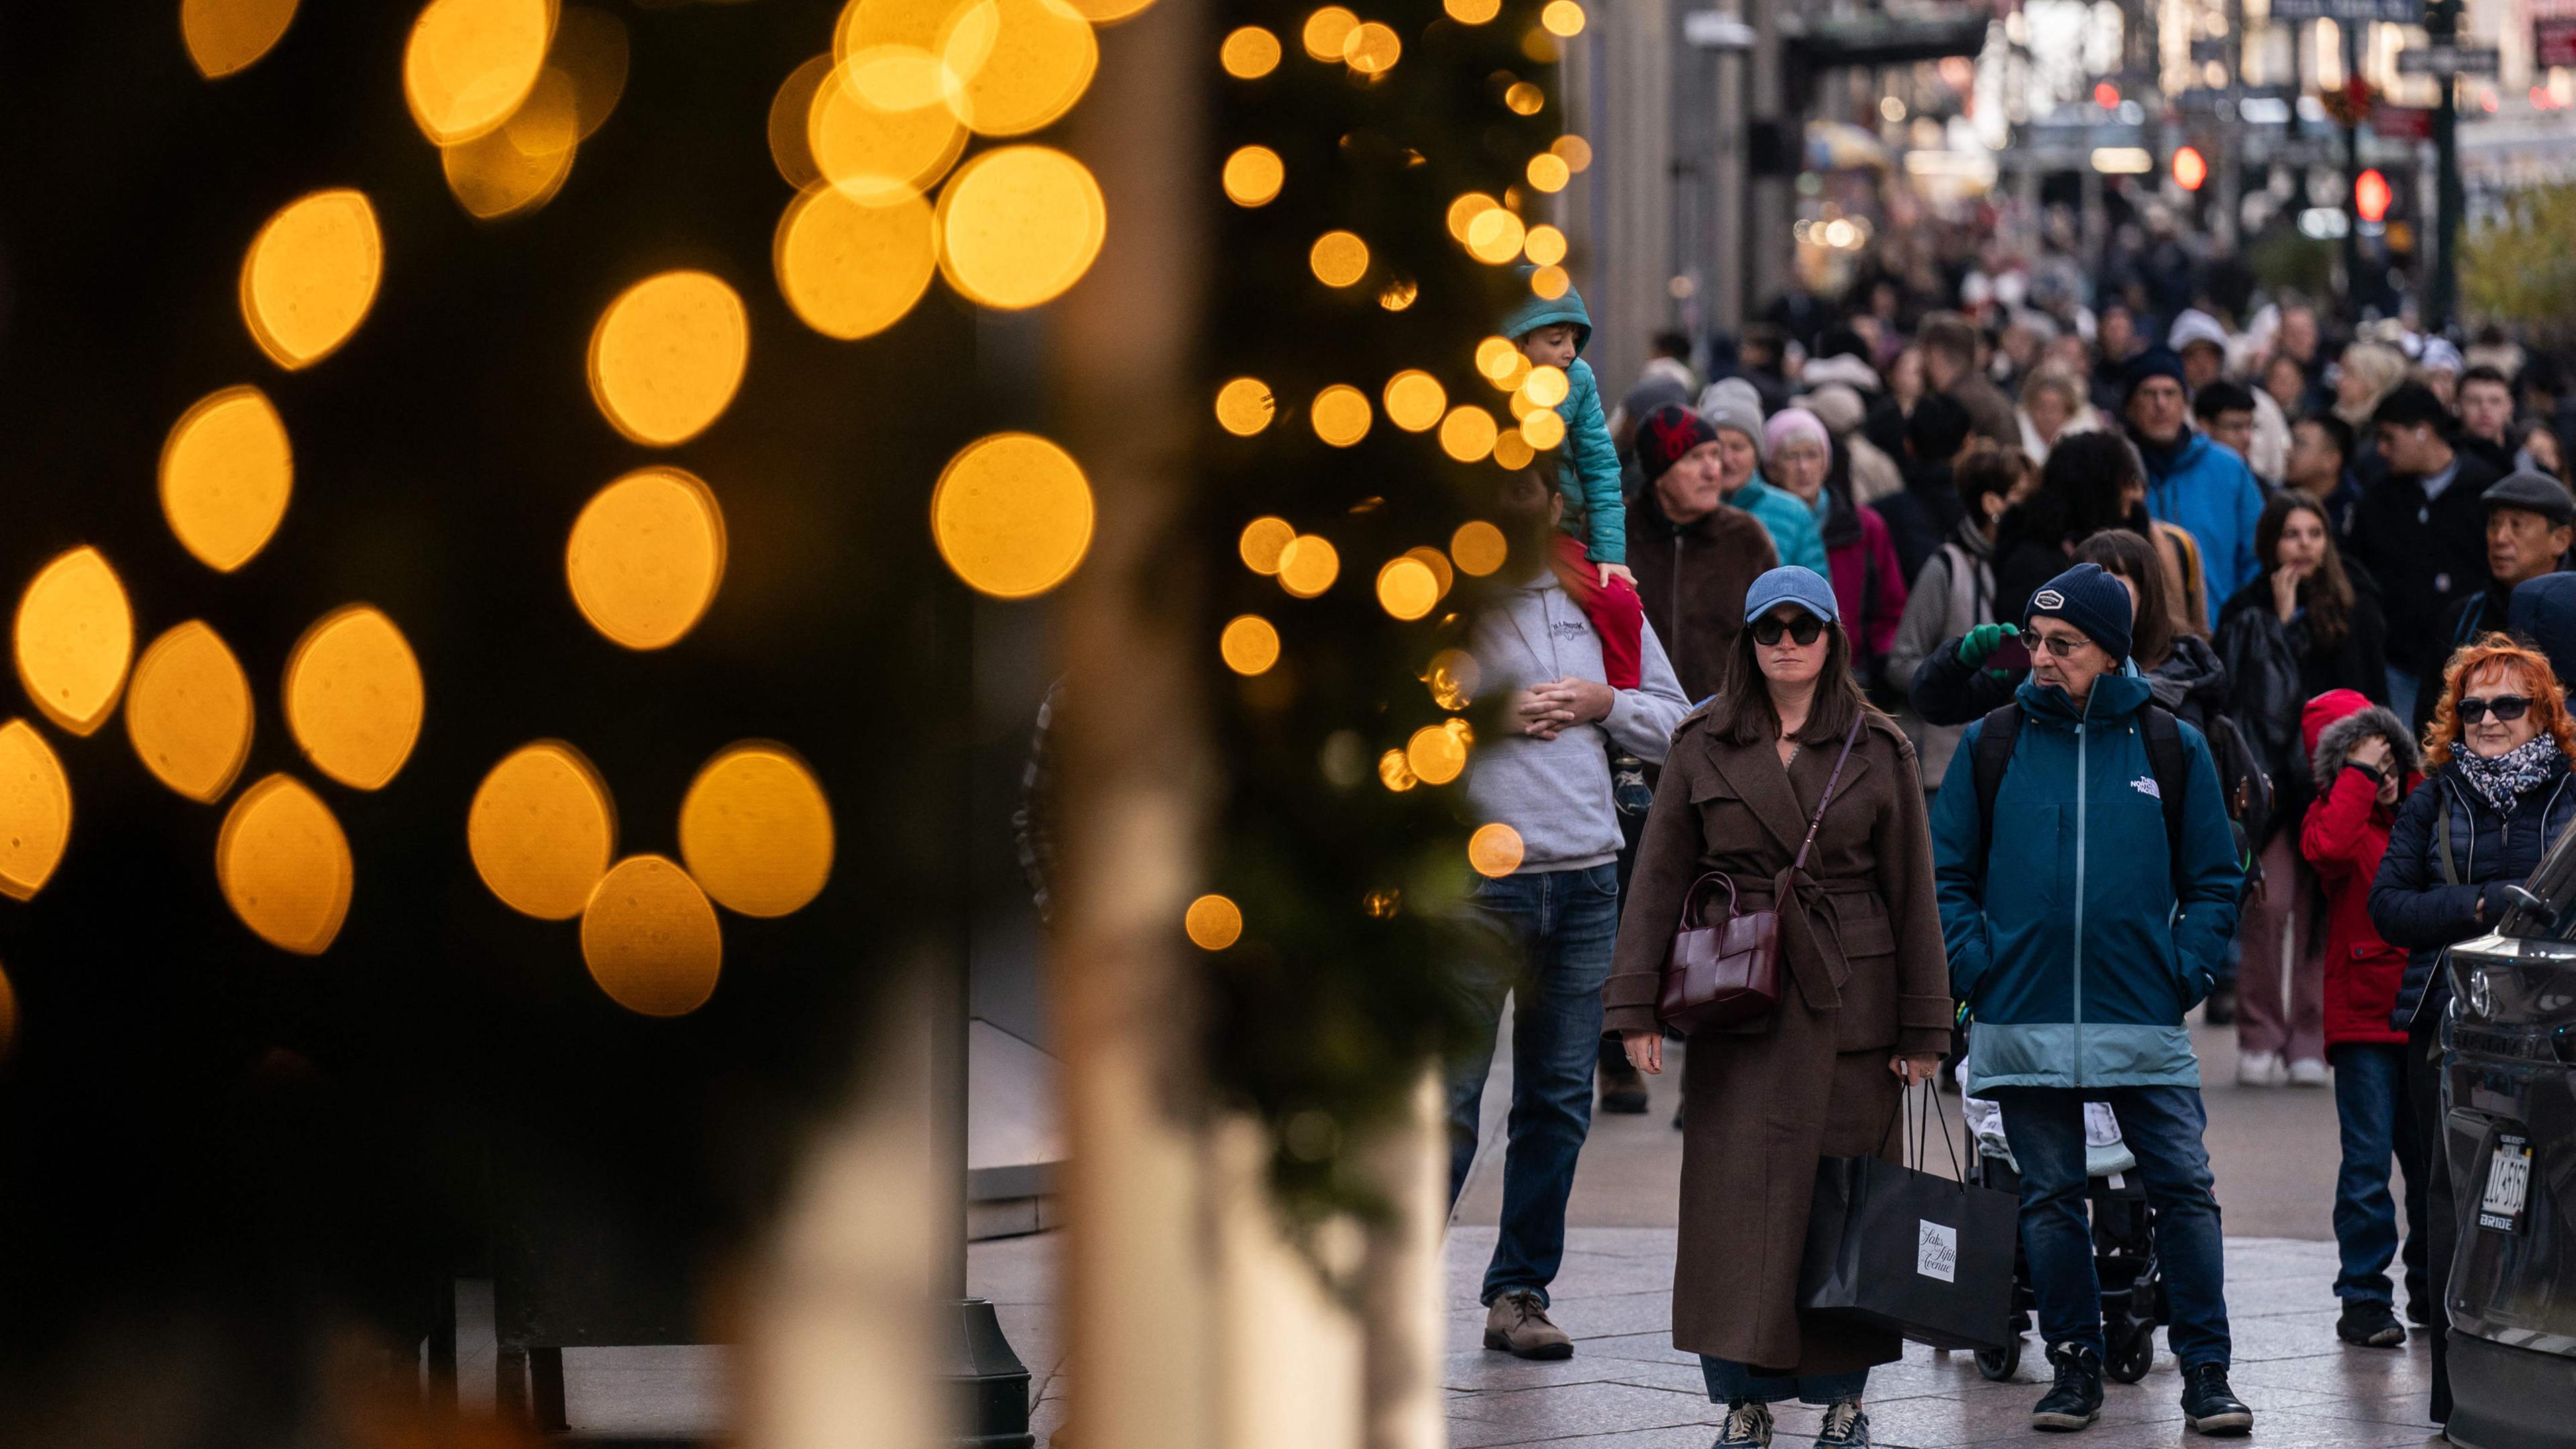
<point x="1550" y="932"/>
<point x="2162" y="1126"/>
<point x="1730" y="1382"/>
<point x="2370" y="1100"/>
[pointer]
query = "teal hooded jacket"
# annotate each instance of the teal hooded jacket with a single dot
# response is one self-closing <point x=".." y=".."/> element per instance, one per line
<point x="2079" y="945"/>
<point x="1588" y="474"/>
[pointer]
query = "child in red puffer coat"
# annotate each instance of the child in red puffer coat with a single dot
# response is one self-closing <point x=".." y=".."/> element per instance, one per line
<point x="2364" y="765"/>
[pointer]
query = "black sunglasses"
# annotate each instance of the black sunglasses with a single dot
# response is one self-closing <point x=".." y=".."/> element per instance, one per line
<point x="1768" y="629"/>
<point x="2503" y="707"/>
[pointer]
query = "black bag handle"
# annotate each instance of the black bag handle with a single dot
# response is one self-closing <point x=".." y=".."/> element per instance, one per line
<point x="1918" y="1127"/>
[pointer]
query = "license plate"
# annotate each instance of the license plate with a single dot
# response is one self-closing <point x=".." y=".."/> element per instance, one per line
<point x="2508" y="1185"/>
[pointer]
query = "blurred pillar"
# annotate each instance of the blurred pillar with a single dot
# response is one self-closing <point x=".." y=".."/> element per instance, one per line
<point x="1617" y="79"/>
<point x="1780" y="146"/>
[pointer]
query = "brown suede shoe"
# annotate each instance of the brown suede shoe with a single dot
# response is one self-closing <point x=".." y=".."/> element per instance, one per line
<point x="1517" y="1323"/>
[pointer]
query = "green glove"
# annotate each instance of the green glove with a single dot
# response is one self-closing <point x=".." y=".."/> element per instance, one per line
<point x="1983" y="640"/>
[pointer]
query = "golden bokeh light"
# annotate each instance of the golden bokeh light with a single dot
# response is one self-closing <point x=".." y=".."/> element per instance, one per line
<point x="1524" y="99"/>
<point x="1467" y="435"/>
<point x="1548" y="171"/>
<point x="1213" y="923"/>
<point x="520" y="166"/>
<point x="354" y="697"/>
<point x="1244" y="406"/>
<point x="1253" y="176"/>
<point x="1576" y="151"/>
<point x="1494" y="850"/>
<point x="1263" y="541"/>
<point x="1107" y="12"/>
<point x="1372" y="48"/>
<point x="1327" y="30"/>
<point x="650" y="939"/>
<point x="1308" y="565"/>
<point x="875" y="150"/>
<point x="35" y="811"/>
<point x="916" y="24"/>
<point x="1407" y="589"/>
<point x="1249" y="645"/>
<point x="225" y="36"/>
<point x="591" y="51"/>
<point x="1497" y="358"/>
<point x="1436" y="561"/>
<point x="470" y="63"/>
<point x="1544" y="245"/>
<point x="542" y="830"/>
<point x="1464" y="211"/>
<point x="1543" y="430"/>
<point x="1550" y="282"/>
<point x="1478" y="547"/>
<point x="1454" y="677"/>
<point x="284" y="865"/>
<point x="1495" y="236"/>
<point x="1339" y="258"/>
<point x="849" y="269"/>
<point x="1019" y="225"/>
<point x="667" y="356"/>
<point x="790" y="111"/>
<point x="1395" y="773"/>
<point x="1512" y="451"/>
<point x="1012" y="515"/>
<point x="1399" y="294"/>
<point x="1546" y="386"/>
<point x="1249" y="53"/>
<point x="1341" y="415"/>
<point x="756" y="830"/>
<point x="1415" y="400"/>
<point x="226" y="472"/>
<point x="1472" y="12"/>
<point x="646" y="556"/>
<point x="189" y="712"/>
<point x="1562" y="17"/>
<point x="1025" y="62"/>
<point x="1436" y="754"/>
<point x="74" y="637"/>
<point x="311" y="275"/>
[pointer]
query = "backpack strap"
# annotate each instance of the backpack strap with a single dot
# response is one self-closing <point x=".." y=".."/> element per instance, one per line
<point x="1995" y="737"/>
<point x="2171" y="765"/>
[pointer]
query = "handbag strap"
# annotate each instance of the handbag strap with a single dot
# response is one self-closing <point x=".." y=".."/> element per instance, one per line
<point x="1692" y="919"/>
<point x="1850" y="737"/>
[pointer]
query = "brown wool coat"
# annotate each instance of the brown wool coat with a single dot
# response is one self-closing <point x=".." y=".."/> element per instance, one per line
<point x="1761" y="1102"/>
<point x="1692" y="578"/>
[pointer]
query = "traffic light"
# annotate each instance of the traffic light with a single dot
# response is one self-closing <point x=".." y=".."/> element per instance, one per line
<point x="2371" y="194"/>
<point x="2189" y="168"/>
<point x="2106" y="95"/>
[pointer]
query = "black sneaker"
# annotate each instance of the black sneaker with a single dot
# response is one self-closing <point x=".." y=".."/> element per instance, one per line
<point x="1846" y="1426"/>
<point x="2371" y="1325"/>
<point x="1623" y="1089"/>
<point x="2076" y="1399"/>
<point x="2208" y="1405"/>
<point x="1748" y="1426"/>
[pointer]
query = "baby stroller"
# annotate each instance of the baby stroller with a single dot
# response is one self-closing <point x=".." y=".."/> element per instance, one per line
<point x="2124" y="1241"/>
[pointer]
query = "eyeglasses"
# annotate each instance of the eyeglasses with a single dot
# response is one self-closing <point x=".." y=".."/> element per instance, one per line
<point x="2061" y="645"/>
<point x="2503" y="707"/>
<point x="1768" y="629"/>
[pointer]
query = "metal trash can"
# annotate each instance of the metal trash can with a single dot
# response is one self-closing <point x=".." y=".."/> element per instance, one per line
<point x="2509" y="1094"/>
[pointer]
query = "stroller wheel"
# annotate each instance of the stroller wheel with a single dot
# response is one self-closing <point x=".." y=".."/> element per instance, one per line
<point x="1998" y="1364"/>
<point x="2133" y="1352"/>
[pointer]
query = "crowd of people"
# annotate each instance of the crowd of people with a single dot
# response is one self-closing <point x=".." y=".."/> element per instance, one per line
<point x="1918" y="627"/>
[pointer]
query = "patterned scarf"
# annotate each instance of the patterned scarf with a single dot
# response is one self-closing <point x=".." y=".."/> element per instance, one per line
<point x="2505" y="777"/>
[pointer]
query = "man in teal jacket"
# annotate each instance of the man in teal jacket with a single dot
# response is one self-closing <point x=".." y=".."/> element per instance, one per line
<point x="2079" y="935"/>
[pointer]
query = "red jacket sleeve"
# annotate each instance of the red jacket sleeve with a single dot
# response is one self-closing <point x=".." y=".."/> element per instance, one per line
<point x="2337" y="832"/>
<point x="1888" y="610"/>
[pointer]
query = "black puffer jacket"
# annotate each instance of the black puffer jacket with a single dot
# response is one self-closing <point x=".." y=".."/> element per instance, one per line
<point x="2415" y="906"/>
<point x="2273" y="670"/>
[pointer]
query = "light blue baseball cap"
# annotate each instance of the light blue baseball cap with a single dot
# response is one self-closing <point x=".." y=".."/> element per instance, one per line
<point x="1803" y="587"/>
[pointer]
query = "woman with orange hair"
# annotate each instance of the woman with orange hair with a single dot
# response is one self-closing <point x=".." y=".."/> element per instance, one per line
<point x="2497" y="796"/>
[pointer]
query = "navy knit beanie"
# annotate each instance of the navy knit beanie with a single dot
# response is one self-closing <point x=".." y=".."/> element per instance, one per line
<point x="2087" y="597"/>
<point x="2154" y="362"/>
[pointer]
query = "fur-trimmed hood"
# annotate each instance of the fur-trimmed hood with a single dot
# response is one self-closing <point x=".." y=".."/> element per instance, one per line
<point x="2336" y="741"/>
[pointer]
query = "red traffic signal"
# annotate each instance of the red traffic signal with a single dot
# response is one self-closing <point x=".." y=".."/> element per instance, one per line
<point x="2189" y="168"/>
<point x="2106" y="95"/>
<point x="2371" y="194"/>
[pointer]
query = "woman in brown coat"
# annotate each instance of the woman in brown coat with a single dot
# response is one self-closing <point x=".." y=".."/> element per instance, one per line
<point x="1865" y="996"/>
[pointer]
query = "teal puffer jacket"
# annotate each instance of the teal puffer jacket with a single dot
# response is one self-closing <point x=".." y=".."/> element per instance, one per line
<point x="1587" y="465"/>
<point x="2071" y="945"/>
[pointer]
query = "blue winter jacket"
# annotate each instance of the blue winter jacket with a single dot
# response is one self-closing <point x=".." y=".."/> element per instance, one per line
<point x="2205" y="489"/>
<point x="1588" y="468"/>
<point x="1791" y="524"/>
<point x="2072" y="946"/>
<point x="2414" y="907"/>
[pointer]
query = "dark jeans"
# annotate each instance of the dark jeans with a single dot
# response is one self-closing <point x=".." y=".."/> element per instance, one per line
<point x="2441" y="1220"/>
<point x="2162" y="1126"/>
<point x="2378" y="1124"/>
<point x="1730" y="1382"/>
<point x="1552" y="932"/>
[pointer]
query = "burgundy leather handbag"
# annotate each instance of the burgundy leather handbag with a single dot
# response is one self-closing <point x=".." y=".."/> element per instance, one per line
<point x="1728" y="972"/>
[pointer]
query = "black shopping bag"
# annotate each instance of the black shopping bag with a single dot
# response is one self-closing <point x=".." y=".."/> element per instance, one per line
<point x="1913" y="1252"/>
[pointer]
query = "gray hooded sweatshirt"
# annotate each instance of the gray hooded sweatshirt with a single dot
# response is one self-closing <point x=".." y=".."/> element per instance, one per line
<point x="1556" y="793"/>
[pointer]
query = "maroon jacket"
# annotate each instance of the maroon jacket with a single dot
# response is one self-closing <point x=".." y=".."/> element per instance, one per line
<point x="2345" y="835"/>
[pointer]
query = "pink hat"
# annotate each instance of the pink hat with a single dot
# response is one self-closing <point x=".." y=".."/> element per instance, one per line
<point x="1794" y="422"/>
